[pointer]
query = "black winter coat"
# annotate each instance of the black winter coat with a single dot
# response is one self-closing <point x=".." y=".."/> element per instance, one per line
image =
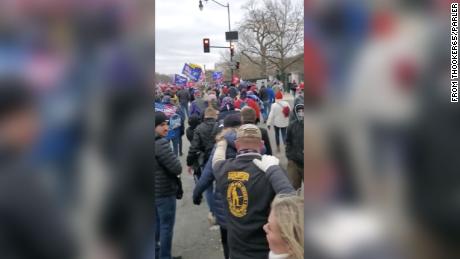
<point x="202" y="143"/>
<point x="189" y="134"/>
<point x="266" y="139"/>
<point x="31" y="223"/>
<point x="184" y="96"/>
<point x="166" y="167"/>
<point x="126" y="218"/>
<point x="294" y="142"/>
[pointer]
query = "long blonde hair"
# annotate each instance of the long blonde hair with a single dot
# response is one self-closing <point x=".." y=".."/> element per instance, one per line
<point x="288" y="210"/>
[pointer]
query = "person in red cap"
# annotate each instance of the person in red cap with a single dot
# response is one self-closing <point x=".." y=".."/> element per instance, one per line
<point x="299" y="99"/>
<point x="244" y="101"/>
<point x="278" y="95"/>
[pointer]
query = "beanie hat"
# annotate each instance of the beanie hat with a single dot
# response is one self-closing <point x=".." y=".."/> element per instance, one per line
<point x="279" y="95"/>
<point x="160" y="118"/>
<point x="248" y="115"/>
<point x="232" y="120"/>
<point x="194" y="120"/>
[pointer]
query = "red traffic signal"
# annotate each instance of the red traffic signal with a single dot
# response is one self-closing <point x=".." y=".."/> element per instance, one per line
<point x="206" y="45"/>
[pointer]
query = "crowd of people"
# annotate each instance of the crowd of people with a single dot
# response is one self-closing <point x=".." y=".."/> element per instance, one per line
<point x="248" y="193"/>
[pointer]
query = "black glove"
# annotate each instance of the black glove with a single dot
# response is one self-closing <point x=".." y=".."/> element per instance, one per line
<point x="180" y="191"/>
<point x="197" y="199"/>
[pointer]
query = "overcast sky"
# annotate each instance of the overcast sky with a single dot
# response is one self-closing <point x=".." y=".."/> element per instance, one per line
<point x="180" y="27"/>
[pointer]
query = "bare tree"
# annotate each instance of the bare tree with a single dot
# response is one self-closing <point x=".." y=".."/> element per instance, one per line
<point x="286" y="33"/>
<point x="271" y="34"/>
<point x="255" y="39"/>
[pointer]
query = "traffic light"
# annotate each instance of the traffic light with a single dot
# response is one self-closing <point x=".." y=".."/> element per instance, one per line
<point x="206" y="45"/>
<point x="237" y="65"/>
<point x="232" y="50"/>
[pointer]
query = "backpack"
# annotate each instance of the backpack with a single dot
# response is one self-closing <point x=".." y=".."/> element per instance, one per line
<point x="286" y="110"/>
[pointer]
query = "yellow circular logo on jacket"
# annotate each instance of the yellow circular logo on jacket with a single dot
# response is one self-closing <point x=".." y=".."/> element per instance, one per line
<point x="237" y="197"/>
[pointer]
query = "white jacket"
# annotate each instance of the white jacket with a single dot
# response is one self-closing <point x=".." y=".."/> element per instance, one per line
<point x="276" y="116"/>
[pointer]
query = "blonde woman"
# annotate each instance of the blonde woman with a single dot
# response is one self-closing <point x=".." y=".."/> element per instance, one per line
<point x="285" y="227"/>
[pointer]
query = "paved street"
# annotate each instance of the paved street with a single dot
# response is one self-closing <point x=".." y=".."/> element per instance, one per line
<point x="193" y="238"/>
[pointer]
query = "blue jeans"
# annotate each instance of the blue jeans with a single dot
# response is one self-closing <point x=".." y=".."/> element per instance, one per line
<point x="277" y="135"/>
<point x="165" y="212"/>
<point x="209" y="195"/>
<point x="177" y="145"/>
<point x="266" y="111"/>
<point x="184" y="108"/>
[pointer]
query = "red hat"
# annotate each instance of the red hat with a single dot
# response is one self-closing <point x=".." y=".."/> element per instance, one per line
<point x="279" y="95"/>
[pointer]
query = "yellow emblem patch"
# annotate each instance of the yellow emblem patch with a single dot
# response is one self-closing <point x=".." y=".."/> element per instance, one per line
<point x="237" y="194"/>
<point x="238" y="176"/>
<point x="237" y="197"/>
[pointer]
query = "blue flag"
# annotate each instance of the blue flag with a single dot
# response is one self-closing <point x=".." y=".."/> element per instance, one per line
<point x="193" y="73"/>
<point x="217" y="76"/>
<point x="180" y="80"/>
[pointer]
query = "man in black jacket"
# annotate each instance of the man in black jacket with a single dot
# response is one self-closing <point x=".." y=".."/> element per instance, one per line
<point x="31" y="222"/>
<point x="201" y="148"/>
<point x="249" y="185"/>
<point x="167" y="168"/>
<point x="202" y="142"/>
<point x="294" y="147"/>
<point x="184" y="98"/>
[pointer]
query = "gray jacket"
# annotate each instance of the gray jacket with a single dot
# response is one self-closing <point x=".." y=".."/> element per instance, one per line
<point x="166" y="167"/>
